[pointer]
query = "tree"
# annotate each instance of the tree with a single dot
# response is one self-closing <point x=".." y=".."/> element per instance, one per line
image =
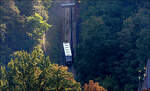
<point x="93" y="86"/>
<point x="37" y="28"/>
<point x="35" y="72"/>
<point x="13" y="25"/>
<point x="114" y="42"/>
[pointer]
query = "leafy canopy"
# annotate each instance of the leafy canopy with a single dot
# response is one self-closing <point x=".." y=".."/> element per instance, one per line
<point x="37" y="26"/>
<point x="35" y="72"/>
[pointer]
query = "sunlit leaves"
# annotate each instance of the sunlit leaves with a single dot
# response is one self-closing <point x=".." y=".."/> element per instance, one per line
<point x="3" y="78"/>
<point x="35" y="72"/>
<point x="38" y="26"/>
<point x="93" y="86"/>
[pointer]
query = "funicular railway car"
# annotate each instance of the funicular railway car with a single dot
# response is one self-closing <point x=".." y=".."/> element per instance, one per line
<point x="68" y="54"/>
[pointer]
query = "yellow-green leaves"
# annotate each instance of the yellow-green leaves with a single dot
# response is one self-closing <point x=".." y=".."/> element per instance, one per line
<point x="11" y="64"/>
<point x="3" y="83"/>
<point x="3" y="79"/>
<point x="37" y="72"/>
<point x="34" y="72"/>
<point x="37" y="25"/>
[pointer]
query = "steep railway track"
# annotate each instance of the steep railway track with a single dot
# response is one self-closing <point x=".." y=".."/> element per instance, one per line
<point x="67" y="19"/>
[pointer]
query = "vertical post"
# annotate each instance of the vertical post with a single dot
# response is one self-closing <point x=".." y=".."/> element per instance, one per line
<point x="139" y="88"/>
<point x="148" y="74"/>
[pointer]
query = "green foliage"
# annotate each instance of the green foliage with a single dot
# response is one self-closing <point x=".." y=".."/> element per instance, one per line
<point x="25" y="7"/>
<point x="3" y="78"/>
<point x="14" y="26"/>
<point x="110" y="84"/>
<point x="47" y="3"/>
<point x="35" y="72"/>
<point x="37" y="28"/>
<point x="37" y="25"/>
<point x="114" y="41"/>
<point x="39" y="8"/>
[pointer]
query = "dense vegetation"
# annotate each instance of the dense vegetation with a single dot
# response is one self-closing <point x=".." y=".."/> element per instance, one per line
<point x="93" y="86"/>
<point x="35" y="72"/>
<point x="114" y="42"/>
<point x="23" y="64"/>
<point x="20" y="27"/>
